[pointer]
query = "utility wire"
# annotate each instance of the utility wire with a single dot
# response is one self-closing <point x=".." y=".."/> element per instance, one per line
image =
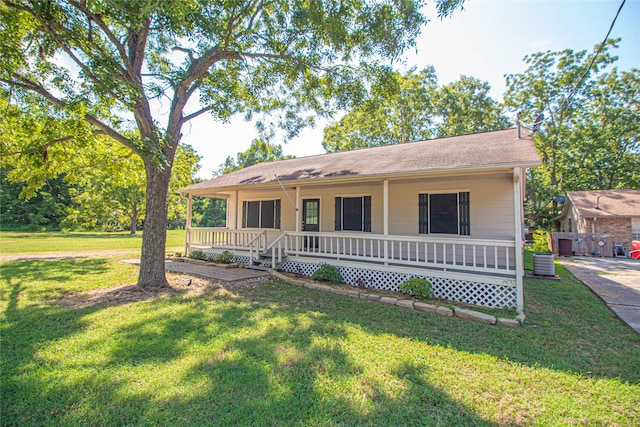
<point x="593" y="60"/>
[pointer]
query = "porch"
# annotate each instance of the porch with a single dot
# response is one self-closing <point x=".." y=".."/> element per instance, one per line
<point x="477" y="271"/>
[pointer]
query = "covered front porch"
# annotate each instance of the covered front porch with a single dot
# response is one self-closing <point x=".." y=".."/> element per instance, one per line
<point x="369" y="230"/>
<point x="476" y="271"/>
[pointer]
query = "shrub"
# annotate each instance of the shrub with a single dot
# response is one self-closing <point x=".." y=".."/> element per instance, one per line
<point x="199" y="255"/>
<point x="541" y="241"/>
<point x="327" y="272"/>
<point x="417" y="287"/>
<point x="225" y="257"/>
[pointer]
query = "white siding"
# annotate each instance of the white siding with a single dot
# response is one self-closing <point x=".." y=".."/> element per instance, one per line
<point x="491" y="204"/>
<point x="490" y="200"/>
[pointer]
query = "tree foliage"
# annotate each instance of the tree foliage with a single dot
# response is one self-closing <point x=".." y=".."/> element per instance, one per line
<point x="259" y="151"/>
<point x="413" y="107"/>
<point x="590" y="136"/>
<point x="43" y="210"/>
<point x="103" y="66"/>
<point x="110" y="194"/>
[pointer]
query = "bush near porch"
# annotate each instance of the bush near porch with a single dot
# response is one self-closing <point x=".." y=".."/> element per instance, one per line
<point x="280" y="354"/>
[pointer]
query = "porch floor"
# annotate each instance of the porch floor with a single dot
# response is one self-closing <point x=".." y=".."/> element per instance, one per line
<point x="214" y="273"/>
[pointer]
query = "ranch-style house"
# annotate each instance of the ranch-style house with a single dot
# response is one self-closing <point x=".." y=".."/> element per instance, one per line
<point x="449" y="210"/>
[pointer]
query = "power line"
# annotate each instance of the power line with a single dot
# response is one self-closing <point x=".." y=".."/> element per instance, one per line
<point x="593" y="60"/>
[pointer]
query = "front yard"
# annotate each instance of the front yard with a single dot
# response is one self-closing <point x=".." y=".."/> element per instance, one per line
<point x="277" y="354"/>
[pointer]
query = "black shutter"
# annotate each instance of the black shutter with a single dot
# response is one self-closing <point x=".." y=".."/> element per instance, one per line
<point x="367" y="213"/>
<point x="253" y="215"/>
<point x="423" y="213"/>
<point x="465" y="216"/>
<point x="244" y="214"/>
<point x="277" y="214"/>
<point x="338" y="218"/>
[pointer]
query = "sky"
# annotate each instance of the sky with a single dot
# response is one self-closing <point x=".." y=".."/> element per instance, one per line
<point x="486" y="40"/>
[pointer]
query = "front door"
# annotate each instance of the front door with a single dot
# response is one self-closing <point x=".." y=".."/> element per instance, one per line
<point x="311" y="220"/>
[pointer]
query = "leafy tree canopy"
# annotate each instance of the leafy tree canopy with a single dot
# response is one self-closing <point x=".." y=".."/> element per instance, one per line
<point x="589" y="139"/>
<point x="413" y="107"/>
<point x="259" y="151"/>
<point x="106" y="65"/>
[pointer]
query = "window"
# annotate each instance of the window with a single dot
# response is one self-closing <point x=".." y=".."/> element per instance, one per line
<point x="261" y="214"/>
<point x="635" y="228"/>
<point x="444" y="213"/>
<point x="353" y="213"/>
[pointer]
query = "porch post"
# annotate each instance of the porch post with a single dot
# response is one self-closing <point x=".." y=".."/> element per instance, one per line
<point x="235" y="211"/>
<point x="517" y="209"/>
<point x="385" y="216"/>
<point x="385" y="207"/>
<point x="298" y="224"/>
<point x="187" y="228"/>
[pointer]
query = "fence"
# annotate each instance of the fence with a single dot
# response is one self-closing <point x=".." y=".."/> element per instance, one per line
<point x="594" y="244"/>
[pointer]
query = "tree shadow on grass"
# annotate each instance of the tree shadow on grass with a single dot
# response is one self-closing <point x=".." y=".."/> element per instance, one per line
<point x="273" y="355"/>
<point x="214" y="359"/>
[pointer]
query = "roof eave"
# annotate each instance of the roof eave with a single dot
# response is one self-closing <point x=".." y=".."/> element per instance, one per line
<point x="361" y="178"/>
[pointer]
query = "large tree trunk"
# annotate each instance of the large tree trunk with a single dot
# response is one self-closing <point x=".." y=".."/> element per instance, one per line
<point x="154" y="237"/>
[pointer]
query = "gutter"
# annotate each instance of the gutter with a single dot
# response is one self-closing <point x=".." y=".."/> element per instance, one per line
<point x="364" y="178"/>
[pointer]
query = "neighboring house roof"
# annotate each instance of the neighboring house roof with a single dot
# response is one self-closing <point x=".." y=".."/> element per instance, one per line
<point x="480" y="151"/>
<point x="611" y="203"/>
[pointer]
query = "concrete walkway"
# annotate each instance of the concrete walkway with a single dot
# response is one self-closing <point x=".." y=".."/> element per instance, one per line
<point x="615" y="280"/>
<point x="214" y="273"/>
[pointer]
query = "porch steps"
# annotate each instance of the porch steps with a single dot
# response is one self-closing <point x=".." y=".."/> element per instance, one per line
<point x="263" y="262"/>
<point x="257" y="267"/>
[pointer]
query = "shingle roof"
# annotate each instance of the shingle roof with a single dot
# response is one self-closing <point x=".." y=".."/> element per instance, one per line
<point x="611" y="202"/>
<point x="486" y="150"/>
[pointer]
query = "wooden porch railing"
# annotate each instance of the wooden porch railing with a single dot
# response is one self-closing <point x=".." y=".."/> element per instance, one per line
<point x="200" y="237"/>
<point x="473" y="255"/>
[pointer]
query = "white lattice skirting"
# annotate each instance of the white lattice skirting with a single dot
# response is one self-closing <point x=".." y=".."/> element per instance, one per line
<point x="240" y="259"/>
<point x="470" y="292"/>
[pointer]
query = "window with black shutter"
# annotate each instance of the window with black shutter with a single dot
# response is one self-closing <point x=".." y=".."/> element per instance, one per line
<point x="353" y="214"/>
<point x="444" y="213"/>
<point x="261" y="214"/>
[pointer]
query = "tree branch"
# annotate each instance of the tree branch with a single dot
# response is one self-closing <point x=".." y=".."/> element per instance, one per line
<point x="195" y="114"/>
<point x="54" y="142"/>
<point x="39" y="89"/>
<point x="105" y="29"/>
<point x="48" y="28"/>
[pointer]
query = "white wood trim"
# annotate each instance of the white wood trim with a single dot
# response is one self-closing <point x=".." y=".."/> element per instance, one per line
<point x="473" y="255"/>
<point x="385" y="206"/>
<point x="188" y="225"/>
<point x="298" y="213"/>
<point x="518" y="220"/>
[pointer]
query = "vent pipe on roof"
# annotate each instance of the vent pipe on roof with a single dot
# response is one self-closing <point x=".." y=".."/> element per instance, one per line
<point x="518" y="123"/>
<point x="598" y="202"/>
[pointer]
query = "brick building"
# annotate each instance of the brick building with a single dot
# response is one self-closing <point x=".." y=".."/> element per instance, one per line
<point x="614" y="212"/>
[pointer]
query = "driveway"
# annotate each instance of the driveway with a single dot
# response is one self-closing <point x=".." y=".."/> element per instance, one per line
<point x="615" y="280"/>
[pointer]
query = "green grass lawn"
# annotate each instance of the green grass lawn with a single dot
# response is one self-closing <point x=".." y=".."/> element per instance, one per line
<point x="279" y="354"/>
<point x="27" y="242"/>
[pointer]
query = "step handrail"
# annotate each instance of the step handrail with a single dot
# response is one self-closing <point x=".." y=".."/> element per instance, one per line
<point x="273" y="253"/>
<point x="251" y="244"/>
<point x="280" y="237"/>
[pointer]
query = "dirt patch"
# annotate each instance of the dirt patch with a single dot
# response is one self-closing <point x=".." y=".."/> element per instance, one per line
<point x="183" y="285"/>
